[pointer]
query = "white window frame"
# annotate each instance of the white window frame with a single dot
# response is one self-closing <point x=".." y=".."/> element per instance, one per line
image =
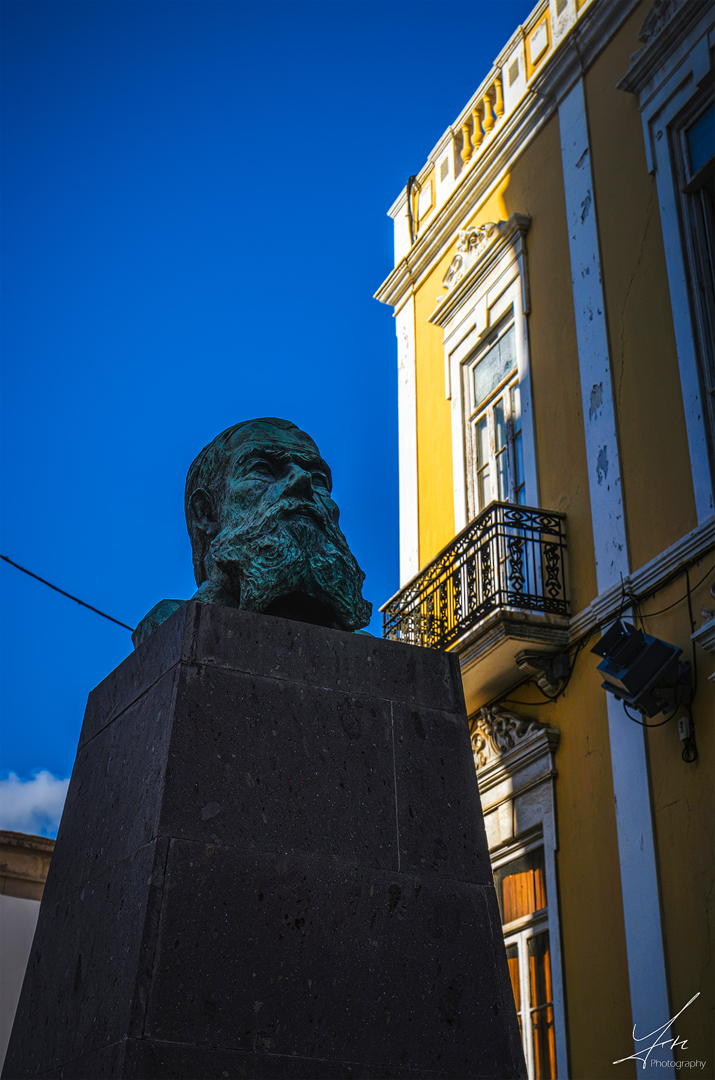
<point x="518" y="933"/>
<point x="667" y="75"/>
<point x="515" y="761"/>
<point x="495" y="282"/>
<point x="693" y="241"/>
<point x="486" y="407"/>
<point x="538" y="924"/>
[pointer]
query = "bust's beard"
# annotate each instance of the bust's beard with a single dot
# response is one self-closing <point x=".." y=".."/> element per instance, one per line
<point x="280" y="554"/>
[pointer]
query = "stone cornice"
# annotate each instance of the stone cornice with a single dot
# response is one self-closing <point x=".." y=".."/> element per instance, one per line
<point x="28" y="841"/>
<point x="517" y="131"/>
<point x="705" y="636"/>
<point x="582" y="45"/>
<point x="24" y="862"/>
<point x="648" y="579"/>
<point x="679" y="16"/>
<point x="578" y="50"/>
<point x="439" y="147"/>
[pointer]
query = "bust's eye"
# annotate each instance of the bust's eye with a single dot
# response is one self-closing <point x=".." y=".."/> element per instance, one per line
<point x="262" y="469"/>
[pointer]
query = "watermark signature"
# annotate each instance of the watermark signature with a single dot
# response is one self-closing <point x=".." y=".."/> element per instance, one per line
<point x="679" y="1064"/>
<point x="672" y="1044"/>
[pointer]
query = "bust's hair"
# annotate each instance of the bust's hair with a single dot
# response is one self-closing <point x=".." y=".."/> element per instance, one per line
<point x="208" y="471"/>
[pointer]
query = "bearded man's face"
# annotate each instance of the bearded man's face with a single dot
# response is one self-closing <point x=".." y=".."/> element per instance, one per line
<point x="278" y="541"/>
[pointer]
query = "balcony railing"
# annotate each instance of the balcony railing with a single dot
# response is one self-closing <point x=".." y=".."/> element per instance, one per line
<point x="509" y="558"/>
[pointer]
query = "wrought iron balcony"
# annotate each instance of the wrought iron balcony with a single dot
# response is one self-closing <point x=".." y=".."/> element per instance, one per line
<point x="510" y="559"/>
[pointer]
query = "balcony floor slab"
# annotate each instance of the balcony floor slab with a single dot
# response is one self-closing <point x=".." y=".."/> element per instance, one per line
<point x="487" y="654"/>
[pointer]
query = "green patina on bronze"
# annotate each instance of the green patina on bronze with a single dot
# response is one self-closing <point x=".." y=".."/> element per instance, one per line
<point x="264" y="531"/>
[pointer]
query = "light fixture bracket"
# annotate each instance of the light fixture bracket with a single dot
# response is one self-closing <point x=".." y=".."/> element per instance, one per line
<point x="548" y="669"/>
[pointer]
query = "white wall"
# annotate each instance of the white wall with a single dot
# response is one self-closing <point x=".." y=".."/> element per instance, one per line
<point x="18" y="919"/>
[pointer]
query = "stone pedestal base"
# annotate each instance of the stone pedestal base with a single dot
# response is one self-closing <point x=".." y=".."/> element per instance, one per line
<point x="272" y="863"/>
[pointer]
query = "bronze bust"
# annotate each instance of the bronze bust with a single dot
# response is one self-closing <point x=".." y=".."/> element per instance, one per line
<point x="264" y="531"/>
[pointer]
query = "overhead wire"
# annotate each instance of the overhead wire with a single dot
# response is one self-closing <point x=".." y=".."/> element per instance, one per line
<point x="68" y="595"/>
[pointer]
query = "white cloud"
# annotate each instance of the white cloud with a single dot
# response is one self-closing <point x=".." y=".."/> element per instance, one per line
<point x="33" y="805"/>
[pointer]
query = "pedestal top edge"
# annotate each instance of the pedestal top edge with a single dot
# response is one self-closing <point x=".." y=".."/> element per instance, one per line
<point x="273" y="647"/>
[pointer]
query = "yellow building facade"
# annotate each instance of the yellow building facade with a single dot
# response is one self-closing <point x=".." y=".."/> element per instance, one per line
<point x="554" y="303"/>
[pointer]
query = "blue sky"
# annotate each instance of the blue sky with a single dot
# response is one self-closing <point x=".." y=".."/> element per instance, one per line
<point x="193" y="227"/>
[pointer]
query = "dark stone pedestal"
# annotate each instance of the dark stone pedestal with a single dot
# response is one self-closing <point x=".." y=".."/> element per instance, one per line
<point x="272" y="863"/>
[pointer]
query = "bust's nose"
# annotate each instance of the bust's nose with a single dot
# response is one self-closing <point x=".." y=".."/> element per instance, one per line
<point x="299" y="482"/>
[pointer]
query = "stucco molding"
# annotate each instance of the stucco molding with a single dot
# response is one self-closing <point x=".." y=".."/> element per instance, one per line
<point x="494" y="271"/>
<point x="679" y="17"/>
<point x="479" y="250"/>
<point x="548" y="632"/>
<point x="705" y="635"/>
<point x="470" y="245"/>
<point x="498" y="735"/>
<point x="648" y="579"/>
<point x="585" y="41"/>
<point x="661" y="13"/>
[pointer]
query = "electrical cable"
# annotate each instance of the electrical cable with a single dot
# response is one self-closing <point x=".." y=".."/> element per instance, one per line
<point x="515" y="701"/>
<point x="567" y="678"/>
<point x="643" y="723"/>
<point x="692" y="630"/>
<point x="636" y="601"/>
<point x="615" y="618"/>
<point x="651" y="614"/>
<point x="690" y="751"/>
<point x="68" y="595"/>
<point x="580" y="645"/>
<point x="690" y="747"/>
<point x="627" y="595"/>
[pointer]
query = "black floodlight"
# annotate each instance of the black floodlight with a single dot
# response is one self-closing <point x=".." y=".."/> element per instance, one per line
<point x="642" y="670"/>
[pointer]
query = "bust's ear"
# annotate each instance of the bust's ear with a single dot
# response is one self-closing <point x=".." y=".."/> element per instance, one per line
<point x="202" y="512"/>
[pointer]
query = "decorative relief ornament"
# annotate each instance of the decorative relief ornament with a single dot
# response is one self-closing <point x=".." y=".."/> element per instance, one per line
<point x="454" y="272"/>
<point x="495" y="732"/>
<point x="660" y="14"/>
<point x="476" y="237"/>
<point x="470" y="244"/>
